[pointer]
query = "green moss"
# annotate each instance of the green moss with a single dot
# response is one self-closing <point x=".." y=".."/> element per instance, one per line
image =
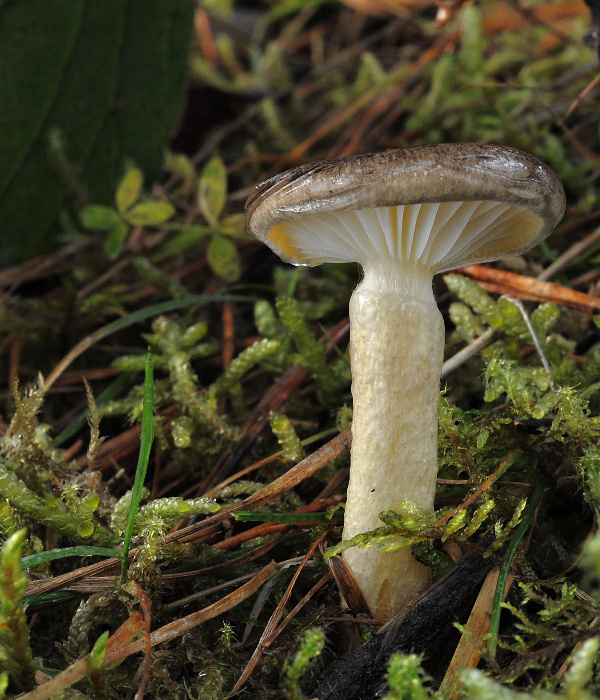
<point x="311" y="646"/>
<point x="15" y="651"/>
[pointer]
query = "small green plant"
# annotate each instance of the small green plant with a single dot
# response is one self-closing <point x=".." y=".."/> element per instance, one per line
<point x="129" y="211"/>
<point x="15" y="652"/>
<point x="96" y="666"/>
<point x="406" y="678"/>
<point x="311" y="645"/>
<point x="476" y="685"/>
<point x="311" y="354"/>
<point x="221" y="252"/>
<point x="220" y="228"/>
<point x="30" y="467"/>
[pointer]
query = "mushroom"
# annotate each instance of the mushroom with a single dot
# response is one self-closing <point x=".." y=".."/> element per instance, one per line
<point x="404" y="215"/>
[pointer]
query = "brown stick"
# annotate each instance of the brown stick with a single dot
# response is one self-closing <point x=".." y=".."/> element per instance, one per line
<point x="503" y="282"/>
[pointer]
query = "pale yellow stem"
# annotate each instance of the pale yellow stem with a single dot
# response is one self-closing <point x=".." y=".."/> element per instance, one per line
<point x="396" y="349"/>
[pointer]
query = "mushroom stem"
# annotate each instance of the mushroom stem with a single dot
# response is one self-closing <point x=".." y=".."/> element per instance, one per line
<point x="396" y="349"/>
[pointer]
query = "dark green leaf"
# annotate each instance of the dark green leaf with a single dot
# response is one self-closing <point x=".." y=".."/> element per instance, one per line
<point x="85" y="86"/>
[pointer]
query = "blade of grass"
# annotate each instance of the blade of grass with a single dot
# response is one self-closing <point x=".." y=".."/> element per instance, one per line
<point x="129" y="320"/>
<point x="505" y="567"/>
<point x="143" y="458"/>
<point x="247" y="516"/>
<point x="83" y="551"/>
<point x="50" y="597"/>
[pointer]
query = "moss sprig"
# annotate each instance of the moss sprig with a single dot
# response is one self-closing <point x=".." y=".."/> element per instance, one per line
<point x="174" y="347"/>
<point x="287" y="437"/>
<point x="311" y="645"/>
<point x="406" y="679"/>
<point x="54" y="513"/>
<point x="578" y="684"/>
<point x="89" y="614"/>
<point x="15" y="651"/>
<point x="311" y="354"/>
<point x="154" y="519"/>
<point x="164" y="513"/>
<point x="413" y="526"/>
<point x="229" y="381"/>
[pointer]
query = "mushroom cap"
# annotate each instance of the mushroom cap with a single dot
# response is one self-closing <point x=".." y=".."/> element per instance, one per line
<point x="413" y="198"/>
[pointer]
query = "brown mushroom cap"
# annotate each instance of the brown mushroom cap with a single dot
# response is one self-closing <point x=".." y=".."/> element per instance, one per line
<point x="514" y="202"/>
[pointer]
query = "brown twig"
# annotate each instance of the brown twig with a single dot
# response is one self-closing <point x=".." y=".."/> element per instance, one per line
<point x="228" y="334"/>
<point x="503" y="282"/>
<point x="184" y="624"/>
<point x="146" y="606"/>
<point x="77" y="671"/>
<point x="273" y="627"/>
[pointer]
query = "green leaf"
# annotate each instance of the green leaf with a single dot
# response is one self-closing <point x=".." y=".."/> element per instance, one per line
<point x="223" y="258"/>
<point x="129" y="189"/>
<point x="105" y="80"/>
<point x="85" y="529"/>
<point x="212" y="189"/>
<point x="98" y="218"/>
<point x="115" y="240"/>
<point x="150" y="213"/>
<point x="482" y="438"/>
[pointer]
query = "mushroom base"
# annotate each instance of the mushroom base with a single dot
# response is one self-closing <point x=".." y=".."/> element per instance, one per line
<point x="396" y="351"/>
